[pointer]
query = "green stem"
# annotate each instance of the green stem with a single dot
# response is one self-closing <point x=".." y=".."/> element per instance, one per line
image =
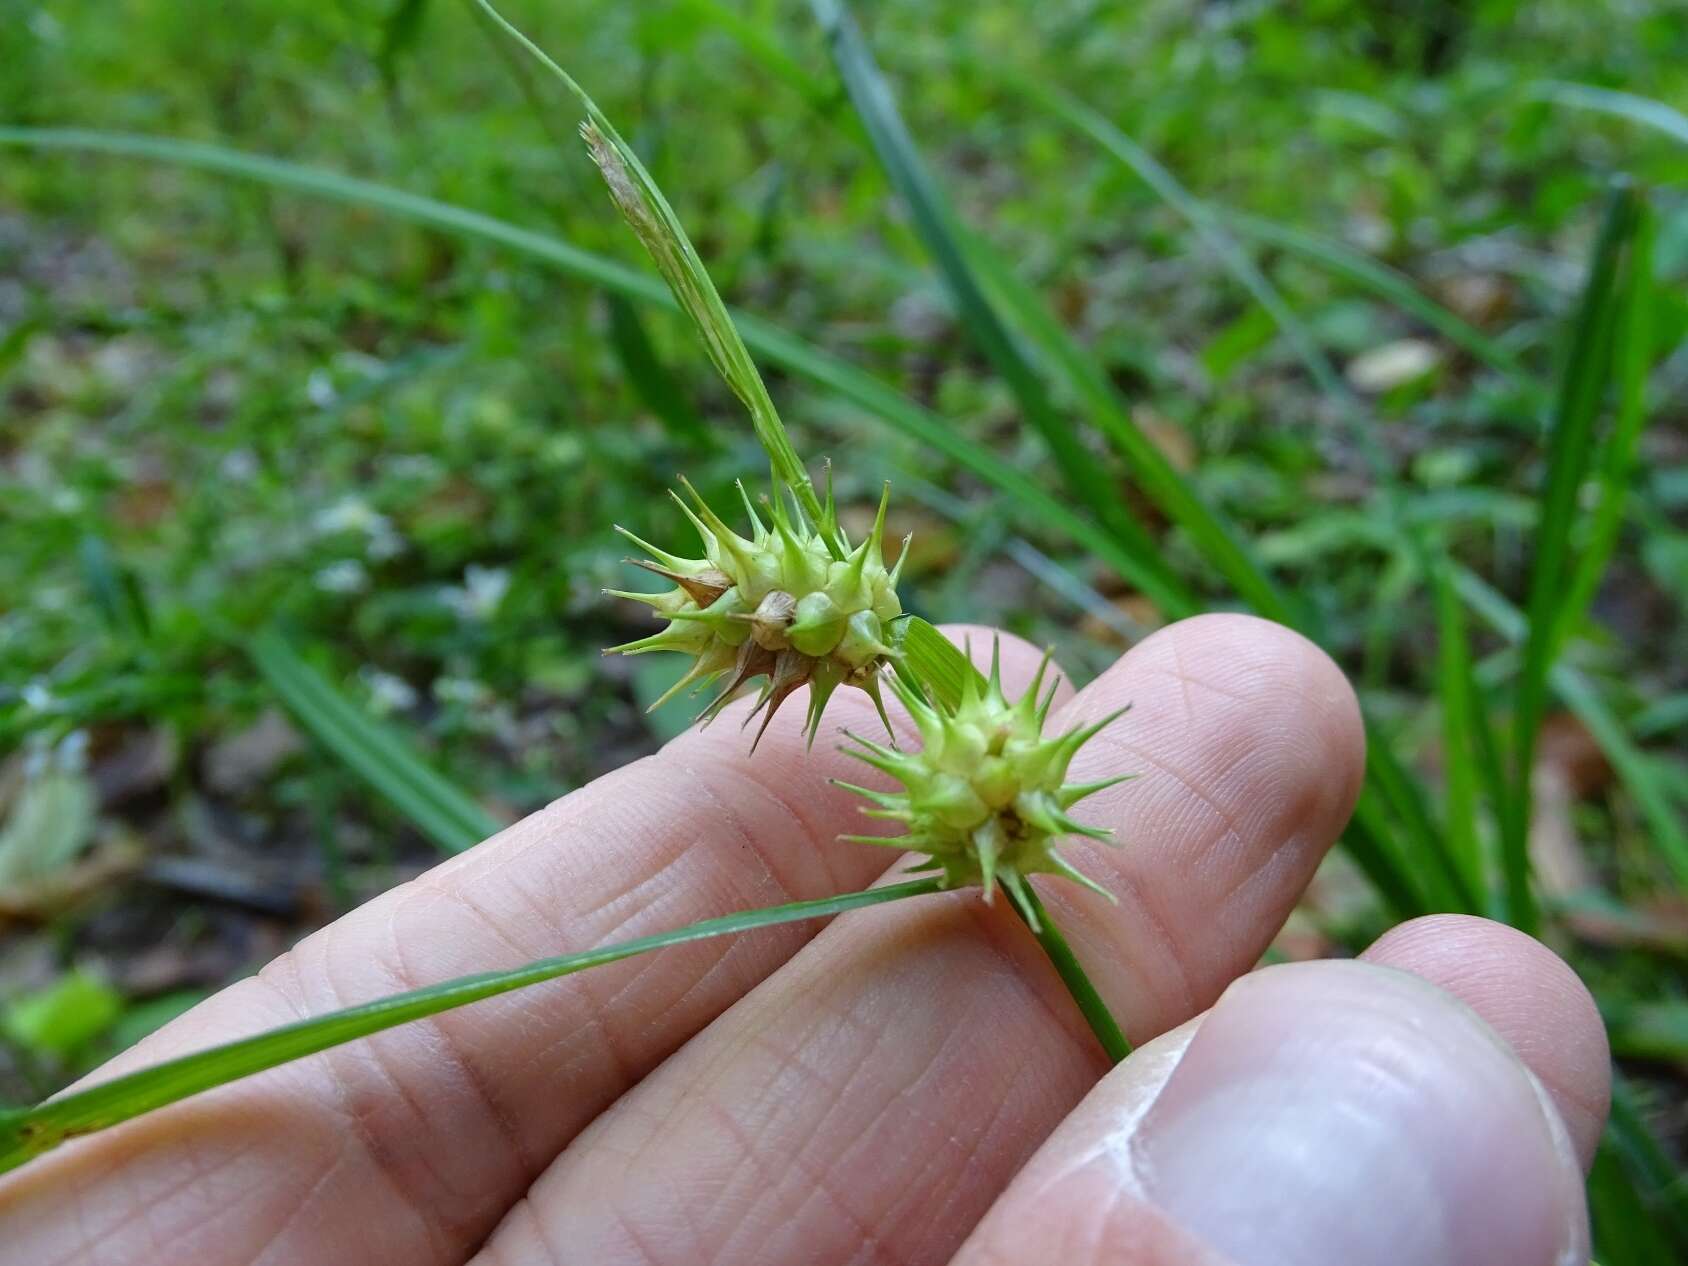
<point x="28" y="1133"/>
<point x="1023" y="897"/>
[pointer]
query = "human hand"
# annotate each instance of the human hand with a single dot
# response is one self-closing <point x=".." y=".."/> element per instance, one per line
<point x="868" y="1093"/>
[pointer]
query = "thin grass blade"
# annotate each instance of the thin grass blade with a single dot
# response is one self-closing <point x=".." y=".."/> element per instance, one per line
<point x="1570" y="447"/>
<point x="1624" y="105"/>
<point x="1647" y="1028"/>
<point x="1386" y="283"/>
<point x="1060" y="578"/>
<point x="873" y="397"/>
<point x="1657" y="1180"/>
<point x="650" y="378"/>
<point x="1633" y="359"/>
<point x="1437" y="878"/>
<point x="1387" y="780"/>
<point x="1456" y="687"/>
<point x="116" y="592"/>
<point x="1625" y="1231"/>
<point x="27" y="1134"/>
<point x="400" y="30"/>
<point x="438" y="808"/>
<point x="1372" y="842"/>
<point x="939" y="231"/>
<point x="1639" y="773"/>
<point x="906" y="417"/>
<point x="1219" y="543"/>
<point x="1205" y="222"/>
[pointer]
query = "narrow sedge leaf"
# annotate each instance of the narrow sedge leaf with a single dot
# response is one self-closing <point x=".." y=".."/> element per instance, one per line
<point x="1439" y="879"/>
<point x="875" y="398"/>
<point x="1623" y="105"/>
<point x="116" y="592"/>
<point x="939" y="230"/>
<point x="1387" y="284"/>
<point x="652" y="219"/>
<point x="1201" y="218"/>
<point x="1634" y="358"/>
<point x="1387" y="782"/>
<point x="1650" y="786"/>
<point x="1570" y="448"/>
<point x="400" y="30"/>
<point x="1653" y="1028"/>
<point x="1482" y="744"/>
<point x="1645" y="1160"/>
<point x="1220" y="544"/>
<point x="1206" y="224"/>
<point x="27" y="1134"/>
<point x="1383" y="855"/>
<point x="1455" y="687"/>
<point x="1625" y="1231"/>
<point x="651" y="379"/>
<point x="438" y="808"/>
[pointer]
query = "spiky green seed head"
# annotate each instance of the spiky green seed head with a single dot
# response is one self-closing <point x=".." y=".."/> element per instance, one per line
<point x="986" y="797"/>
<point x="793" y="603"/>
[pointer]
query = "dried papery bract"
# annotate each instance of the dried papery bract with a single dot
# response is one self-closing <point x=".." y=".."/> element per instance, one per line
<point x="774" y="605"/>
<point x="986" y="796"/>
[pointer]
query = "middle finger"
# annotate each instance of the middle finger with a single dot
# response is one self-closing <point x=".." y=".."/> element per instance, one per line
<point x="869" y="1100"/>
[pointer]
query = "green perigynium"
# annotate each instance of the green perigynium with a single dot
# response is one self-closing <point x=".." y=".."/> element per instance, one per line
<point x="793" y="603"/>
<point x="986" y="796"/>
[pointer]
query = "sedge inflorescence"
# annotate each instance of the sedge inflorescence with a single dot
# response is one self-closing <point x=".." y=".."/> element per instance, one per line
<point x="793" y="603"/>
<point x="986" y="796"/>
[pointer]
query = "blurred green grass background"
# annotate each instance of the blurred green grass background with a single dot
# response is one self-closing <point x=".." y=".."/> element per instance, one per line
<point x="307" y="505"/>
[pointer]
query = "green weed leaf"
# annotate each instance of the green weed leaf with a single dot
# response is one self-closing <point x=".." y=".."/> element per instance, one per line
<point x="27" y="1134"/>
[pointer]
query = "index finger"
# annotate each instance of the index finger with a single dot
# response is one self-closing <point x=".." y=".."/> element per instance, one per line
<point x="416" y="1140"/>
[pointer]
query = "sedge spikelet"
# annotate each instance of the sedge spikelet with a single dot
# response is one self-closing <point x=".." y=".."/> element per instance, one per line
<point x="986" y="796"/>
<point x="793" y="603"/>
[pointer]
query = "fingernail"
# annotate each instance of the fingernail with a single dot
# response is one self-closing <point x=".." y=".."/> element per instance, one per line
<point x="1333" y="1113"/>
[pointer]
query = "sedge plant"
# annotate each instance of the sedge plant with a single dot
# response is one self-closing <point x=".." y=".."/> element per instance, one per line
<point x="1469" y="856"/>
<point x="795" y="603"/>
<point x="1414" y="863"/>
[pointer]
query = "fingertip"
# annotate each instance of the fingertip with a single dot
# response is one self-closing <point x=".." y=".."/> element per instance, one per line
<point x="1244" y="687"/>
<point x="1320" y="1113"/>
<point x="1528" y="995"/>
<point x="1292" y="682"/>
<point x="1249" y="745"/>
<point x="1368" y="1117"/>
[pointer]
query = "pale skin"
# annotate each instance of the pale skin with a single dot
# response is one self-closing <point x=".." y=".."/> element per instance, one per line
<point x="909" y="1084"/>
